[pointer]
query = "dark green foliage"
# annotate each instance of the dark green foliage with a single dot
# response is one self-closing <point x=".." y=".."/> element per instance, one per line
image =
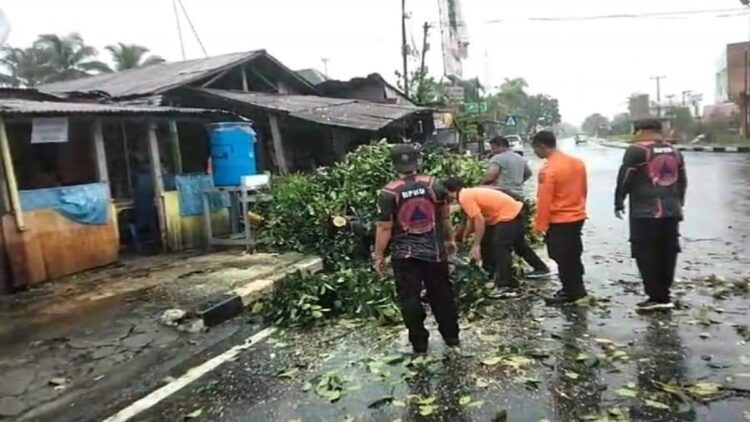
<point x="300" y="219"/>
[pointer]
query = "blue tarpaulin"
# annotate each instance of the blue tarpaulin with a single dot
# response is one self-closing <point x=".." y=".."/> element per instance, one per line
<point x="84" y="204"/>
<point x="191" y="188"/>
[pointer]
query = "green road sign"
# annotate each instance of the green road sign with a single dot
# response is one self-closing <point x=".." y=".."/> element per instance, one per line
<point x="475" y="108"/>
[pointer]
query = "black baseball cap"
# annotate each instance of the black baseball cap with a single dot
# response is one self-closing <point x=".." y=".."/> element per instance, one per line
<point x="647" y="124"/>
<point x="405" y="158"/>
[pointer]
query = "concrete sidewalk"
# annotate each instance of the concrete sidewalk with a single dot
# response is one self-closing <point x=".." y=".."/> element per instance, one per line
<point x="103" y="326"/>
<point x="690" y="148"/>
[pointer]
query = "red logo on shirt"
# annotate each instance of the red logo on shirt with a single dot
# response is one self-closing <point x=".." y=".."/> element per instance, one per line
<point x="417" y="216"/>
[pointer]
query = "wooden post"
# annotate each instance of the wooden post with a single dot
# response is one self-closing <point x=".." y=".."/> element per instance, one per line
<point x="155" y="161"/>
<point x="126" y="151"/>
<point x="278" y="144"/>
<point x="97" y="132"/>
<point x="174" y="142"/>
<point x="10" y="178"/>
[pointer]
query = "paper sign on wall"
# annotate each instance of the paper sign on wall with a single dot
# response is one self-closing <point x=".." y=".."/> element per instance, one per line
<point x="49" y="130"/>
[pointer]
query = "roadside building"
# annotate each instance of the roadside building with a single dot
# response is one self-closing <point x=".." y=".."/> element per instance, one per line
<point x="298" y="128"/>
<point x="79" y="180"/>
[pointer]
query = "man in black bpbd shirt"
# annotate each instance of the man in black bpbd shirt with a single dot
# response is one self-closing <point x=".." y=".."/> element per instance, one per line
<point x="415" y="222"/>
<point x="653" y="176"/>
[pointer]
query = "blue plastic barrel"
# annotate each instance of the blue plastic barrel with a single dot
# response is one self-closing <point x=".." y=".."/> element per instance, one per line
<point x="232" y="152"/>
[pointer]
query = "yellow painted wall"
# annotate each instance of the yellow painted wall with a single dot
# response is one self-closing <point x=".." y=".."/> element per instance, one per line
<point x="186" y="232"/>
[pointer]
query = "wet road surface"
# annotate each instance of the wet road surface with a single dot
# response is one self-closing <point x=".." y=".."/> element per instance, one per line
<point x="521" y="360"/>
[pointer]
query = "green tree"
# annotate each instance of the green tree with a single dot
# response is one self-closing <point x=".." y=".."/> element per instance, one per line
<point x="513" y="94"/>
<point x="68" y="57"/>
<point x="594" y="123"/>
<point x="25" y="67"/>
<point x="541" y="110"/>
<point x="131" y="56"/>
<point x="682" y="120"/>
<point x="621" y="124"/>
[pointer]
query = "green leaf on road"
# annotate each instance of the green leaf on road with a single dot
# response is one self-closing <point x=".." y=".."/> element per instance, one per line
<point x="656" y="405"/>
<point x="571" y="375"/>
<point x="257" y="308"/>
<point x="465" y="400"/>
<point x="492" y="361"/>
<point x="703" y="389"/>
<point x="482" y="383"/>
<point x="195" y="414"/>
<point x="616" y="413"/>
<point x="478" y="403"/>
<point x="427" y="410"/>
<point x="289" y="374"/>
<point x="627" y="392"/>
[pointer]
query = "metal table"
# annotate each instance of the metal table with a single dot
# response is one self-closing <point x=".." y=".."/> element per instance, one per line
<point x="241" y="200"/>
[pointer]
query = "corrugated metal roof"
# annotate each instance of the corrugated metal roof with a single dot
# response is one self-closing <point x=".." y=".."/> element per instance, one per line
<point x="359" y="114"/>
<point x="153" y="79"/>
<point x="276" y="102"/>
<point x="342" y="112"/>
<point x="11" y="107"/>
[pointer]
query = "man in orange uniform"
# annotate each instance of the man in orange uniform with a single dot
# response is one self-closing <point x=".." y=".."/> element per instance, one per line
<point x="498" y="224"/>
<point x="561" y="212"/>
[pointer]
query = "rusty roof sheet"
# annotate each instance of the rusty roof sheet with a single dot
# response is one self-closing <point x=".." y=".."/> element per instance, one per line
<point x="341" y="112"/>
<point x="276" y="102"/>
<point x="11" y="107"/>
<point x="157" y="78"/>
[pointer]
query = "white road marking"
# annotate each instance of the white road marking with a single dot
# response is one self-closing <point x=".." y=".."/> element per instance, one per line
<point x="188" y="377"/>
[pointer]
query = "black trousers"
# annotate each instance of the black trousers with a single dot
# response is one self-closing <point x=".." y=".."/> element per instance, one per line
<point x="411" y="275"/>
<point x="499" y="243"/>
<point x="565" y="247"/>
<point x="655" y="244"/>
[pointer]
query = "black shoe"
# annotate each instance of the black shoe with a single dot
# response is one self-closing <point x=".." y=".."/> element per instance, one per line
<point x="537" y="274"/>
<point x="452" y="342"/>
<point x="419" y="349"/>
<point x="654" y="305"/>
<point x="562" y="298"/>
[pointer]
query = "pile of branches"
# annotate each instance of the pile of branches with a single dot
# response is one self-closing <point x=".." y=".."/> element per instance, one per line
<point x="301" y="218"/>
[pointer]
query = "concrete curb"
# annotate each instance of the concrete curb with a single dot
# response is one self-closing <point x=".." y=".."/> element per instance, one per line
<point x="687" y="148"/>
<point x="231" y="304"/>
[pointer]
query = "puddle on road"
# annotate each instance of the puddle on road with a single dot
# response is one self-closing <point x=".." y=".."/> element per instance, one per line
<point x="519" y="361"/>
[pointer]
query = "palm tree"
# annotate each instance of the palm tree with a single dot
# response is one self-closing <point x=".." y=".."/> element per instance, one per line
<point x="68" y="57"/>
<point x="24" y="66"/>
<point x="131" y="56"/>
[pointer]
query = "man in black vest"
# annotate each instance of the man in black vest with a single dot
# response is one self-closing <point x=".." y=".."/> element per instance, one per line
<point x="415" y="222"/>
<point x="653" y="175"/>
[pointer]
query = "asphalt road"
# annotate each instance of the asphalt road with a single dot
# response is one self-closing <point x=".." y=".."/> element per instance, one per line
<point x="529" y="361"/>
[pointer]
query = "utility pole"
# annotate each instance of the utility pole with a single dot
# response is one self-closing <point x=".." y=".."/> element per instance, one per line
<point x="422" y="66"/>
<point x="744" y="100"/>
<point x="325" y="66"/>
<point x="404" y="47"/>
<point x="658" y="93"/>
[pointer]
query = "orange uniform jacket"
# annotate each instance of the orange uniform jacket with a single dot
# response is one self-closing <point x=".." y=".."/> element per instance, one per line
<point x="561" y="197"/>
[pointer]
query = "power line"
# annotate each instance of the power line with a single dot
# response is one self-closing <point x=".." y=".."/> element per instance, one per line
<point x="192" y="28"/>
<point x="715" y="13"/>
<point x="179" y="28"/>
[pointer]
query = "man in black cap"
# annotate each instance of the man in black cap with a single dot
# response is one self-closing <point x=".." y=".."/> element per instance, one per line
<point x="653" y="175"/>
<point x="415" y="222"/>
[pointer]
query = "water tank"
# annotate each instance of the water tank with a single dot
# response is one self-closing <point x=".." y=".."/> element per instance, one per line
<point x="232" y="152"/>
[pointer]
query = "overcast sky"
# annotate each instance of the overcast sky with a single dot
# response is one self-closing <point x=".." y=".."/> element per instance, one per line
<point x="591" y="66"/>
